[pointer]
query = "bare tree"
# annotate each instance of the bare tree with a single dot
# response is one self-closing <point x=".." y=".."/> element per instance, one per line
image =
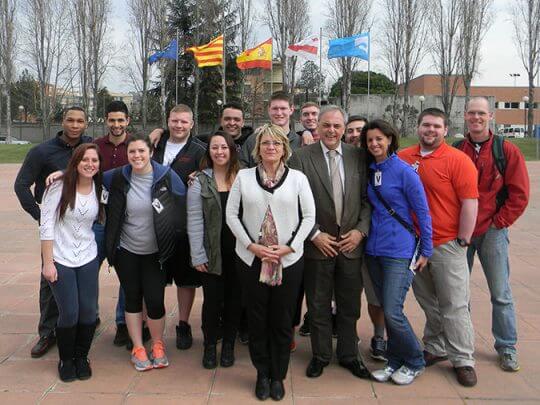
<point x="140" y="12"/>
<point x="347" y="18"/>
<point x="8" y="9"/>
<point x="475" y="20"/>
<point x="286" y="20"/>
<point x="526" y="19"/>
<point x="46" y="36"/>
<point x="447" y="19"/>
<point x="245" y="24"/>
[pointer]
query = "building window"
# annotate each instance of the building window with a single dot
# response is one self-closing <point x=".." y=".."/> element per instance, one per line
<point x="511" y="105"/>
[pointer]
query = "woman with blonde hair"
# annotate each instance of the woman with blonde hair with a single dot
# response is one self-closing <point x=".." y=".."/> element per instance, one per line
<point x="271" y="212"/>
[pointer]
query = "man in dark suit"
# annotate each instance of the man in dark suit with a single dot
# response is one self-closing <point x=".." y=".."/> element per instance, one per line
<point x="333" y="252"/>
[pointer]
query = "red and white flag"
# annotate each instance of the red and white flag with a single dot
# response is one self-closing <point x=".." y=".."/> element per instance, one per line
<point x="307" y="49"/>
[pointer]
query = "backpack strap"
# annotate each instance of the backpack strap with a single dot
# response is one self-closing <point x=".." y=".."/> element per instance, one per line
<point x="498" y="153"/>
<point x="458" y="144"/>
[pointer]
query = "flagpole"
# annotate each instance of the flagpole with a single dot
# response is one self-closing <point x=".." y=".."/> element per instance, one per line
<point x="272" y="69"/>
<point x="223" y="83"/>
<point x="368" y="74"/>
<point x="176" y="74"/>
<point x="320" y="66"/>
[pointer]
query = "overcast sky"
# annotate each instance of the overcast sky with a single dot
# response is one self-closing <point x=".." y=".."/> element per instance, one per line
<point x="499" y="54"/>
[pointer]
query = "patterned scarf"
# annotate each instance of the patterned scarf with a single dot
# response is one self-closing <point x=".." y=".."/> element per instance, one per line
<point x="271" y="273"/>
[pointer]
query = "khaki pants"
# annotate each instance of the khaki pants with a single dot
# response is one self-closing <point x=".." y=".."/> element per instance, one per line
<point x="442" y="290"/>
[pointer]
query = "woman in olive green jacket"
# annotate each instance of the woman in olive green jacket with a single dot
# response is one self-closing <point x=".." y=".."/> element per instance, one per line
<point x="212" y="247"/>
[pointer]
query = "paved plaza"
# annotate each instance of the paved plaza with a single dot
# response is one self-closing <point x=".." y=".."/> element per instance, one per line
<point x="24" y="380"/>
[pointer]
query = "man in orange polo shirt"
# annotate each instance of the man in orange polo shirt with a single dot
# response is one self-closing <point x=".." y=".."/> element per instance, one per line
<point x="442" y="288"/>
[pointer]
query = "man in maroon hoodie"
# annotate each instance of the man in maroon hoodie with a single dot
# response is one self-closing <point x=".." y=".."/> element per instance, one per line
<point x="503" y="198"/>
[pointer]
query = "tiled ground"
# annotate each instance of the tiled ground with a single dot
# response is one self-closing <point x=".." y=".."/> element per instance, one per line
<point x="25" y="380"/>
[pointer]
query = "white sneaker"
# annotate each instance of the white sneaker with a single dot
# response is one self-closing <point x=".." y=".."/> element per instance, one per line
<point x="383" y="374"/>
<point x="405" y="376"/>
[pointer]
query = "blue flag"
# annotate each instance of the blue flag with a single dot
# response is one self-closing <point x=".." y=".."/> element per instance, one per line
<point x="170" y="52"/>
<point x="356" y="46"/>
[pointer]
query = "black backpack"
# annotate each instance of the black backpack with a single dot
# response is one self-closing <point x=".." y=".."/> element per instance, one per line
<point x="497" y="149"/>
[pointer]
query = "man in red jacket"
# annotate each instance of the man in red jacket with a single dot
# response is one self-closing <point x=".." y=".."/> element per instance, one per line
<point x="490" y="237"/>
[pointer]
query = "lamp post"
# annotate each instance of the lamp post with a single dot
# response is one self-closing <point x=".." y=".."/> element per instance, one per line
<point x="514" y="76"/>
<point x="219" y="103"/>
<point x="421" y="99"/>
<point x="21" y="112"/>
<point x="525" y="101"/>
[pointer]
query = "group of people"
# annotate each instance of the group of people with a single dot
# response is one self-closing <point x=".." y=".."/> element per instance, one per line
<point x="234" y="212"/>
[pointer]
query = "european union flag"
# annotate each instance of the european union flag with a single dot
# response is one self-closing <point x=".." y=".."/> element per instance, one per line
<point x="356" y="46"/>
<point x="170" y="52"/>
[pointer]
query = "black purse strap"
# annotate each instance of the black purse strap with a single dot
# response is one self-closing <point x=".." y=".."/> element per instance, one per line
<point x="391" y="211"/>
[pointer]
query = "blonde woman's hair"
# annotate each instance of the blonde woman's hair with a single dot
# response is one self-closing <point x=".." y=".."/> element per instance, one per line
<point x="277" y="134"/>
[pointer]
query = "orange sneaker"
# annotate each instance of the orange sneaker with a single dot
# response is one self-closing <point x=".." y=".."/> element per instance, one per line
<point x="140" y="360"/>
<point x="159" y="358"/>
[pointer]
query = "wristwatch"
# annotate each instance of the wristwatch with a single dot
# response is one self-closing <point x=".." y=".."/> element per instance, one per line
<point x="462" y="242"/>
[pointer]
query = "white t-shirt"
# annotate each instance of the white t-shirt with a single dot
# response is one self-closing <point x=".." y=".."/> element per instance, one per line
<point x="171" y="150"/>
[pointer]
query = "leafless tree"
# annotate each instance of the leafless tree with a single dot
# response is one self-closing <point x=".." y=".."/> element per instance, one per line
<point x="244" y="9"/>
<point x="286" y="20"/>
<point x="140" y="14"/>
<point x="347" y="18"/>
<point x="45" y="34"/>
<point x="475" y="20"/>
<point x="446" y="21"/>
<point x="526" y="19"/>
<point x="90" y="26"/>
<point x="8" y="10"/>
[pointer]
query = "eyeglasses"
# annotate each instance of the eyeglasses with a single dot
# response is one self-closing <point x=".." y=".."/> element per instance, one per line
<point x="275" y="144"/>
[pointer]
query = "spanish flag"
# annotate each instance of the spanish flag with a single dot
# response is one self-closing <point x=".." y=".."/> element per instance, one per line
<point x="258" y="57"/>
<point x="210" y="54"/>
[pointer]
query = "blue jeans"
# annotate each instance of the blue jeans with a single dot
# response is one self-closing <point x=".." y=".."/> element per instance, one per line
<point x="99" y="233"/>
<point x="492" y="250"/>
<point x="75" y="293"/>
<point x="392" y="280"/>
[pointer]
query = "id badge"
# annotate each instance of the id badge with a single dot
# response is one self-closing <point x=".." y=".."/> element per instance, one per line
<point x="104" y="196"/>
<point x="377" y="180"/>
<point x="157" y="205"/>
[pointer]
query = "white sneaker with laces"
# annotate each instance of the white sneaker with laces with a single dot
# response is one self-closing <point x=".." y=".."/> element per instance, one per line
<point x="404" y="375"/>
<point x="383" y="374"/>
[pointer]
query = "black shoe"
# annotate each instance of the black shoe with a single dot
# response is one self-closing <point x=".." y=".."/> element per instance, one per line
<point x="121" y="338"/>
<point x="184" y="340"/>
<point x="243" y="336"/>
<point x="209" y="360"/>
<point x="334" y="326"/>
<point x="431" y="359"/>
<point x="67" y="371"/>
<point x="357" y="368"/>
<point x="227" y="354"/>
<point x="378" y="348"/>
<point x="304" y="329"/>
<point x="262" y="387"/>
<point x="82" y="368"/>
<point x="43" y="345"/>
<point x="145" y="337"/>
<point x="315" y="368"/>
<point x="277" y="390"/>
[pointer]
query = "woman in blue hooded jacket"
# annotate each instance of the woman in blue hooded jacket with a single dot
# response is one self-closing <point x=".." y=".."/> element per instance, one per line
<point x="393" y="251"/>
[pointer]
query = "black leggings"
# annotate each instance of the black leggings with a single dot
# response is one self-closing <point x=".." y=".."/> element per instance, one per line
<point x="141" y="276"/>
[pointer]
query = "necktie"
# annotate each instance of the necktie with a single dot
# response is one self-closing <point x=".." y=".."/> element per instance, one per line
<point x="337" y="188"/>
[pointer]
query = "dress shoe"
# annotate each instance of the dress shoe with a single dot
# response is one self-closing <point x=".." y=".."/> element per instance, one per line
<point x="315" y="368"/>
<point x="43" y="345"/>
<point x="466" y="376"/>
<point x="277" y="390"/>
<point x="209" y="360"/>
<point x="227" y="354"/>
<point x="262" y="387"/>
<point x="356" y="367"/>
<point x="431" y="359"/>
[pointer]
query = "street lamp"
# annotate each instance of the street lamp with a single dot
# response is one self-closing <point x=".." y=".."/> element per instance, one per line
<point x="525" y="101"/>
<point x="21" y="112"/>
<point x="515" y="76"/>
<point x="219" y="103"/>
<point x="422" y="99"/>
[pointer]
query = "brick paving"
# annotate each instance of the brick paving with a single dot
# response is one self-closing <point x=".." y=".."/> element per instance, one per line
<point x="25" y="380"/>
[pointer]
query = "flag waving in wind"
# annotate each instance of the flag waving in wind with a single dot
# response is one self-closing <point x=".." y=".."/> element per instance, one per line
<point x="258" y="57"/>
<point x="210" y="54"/>
<point x="170" y="52"/>
<point x="307" y="48"/>
<point x="356" y="46"/>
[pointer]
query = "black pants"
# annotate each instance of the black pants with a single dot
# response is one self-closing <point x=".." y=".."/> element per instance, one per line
<point x="141" y="276"/>
<point x="221" y="299"/>
<point x="270" y="313"/>
<point x="343" y="278"/>
<point x="48" y="310"/>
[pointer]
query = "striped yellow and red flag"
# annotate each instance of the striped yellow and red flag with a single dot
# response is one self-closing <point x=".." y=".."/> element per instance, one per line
<point x="210" y="54"/>
<point x="258" y="57"/>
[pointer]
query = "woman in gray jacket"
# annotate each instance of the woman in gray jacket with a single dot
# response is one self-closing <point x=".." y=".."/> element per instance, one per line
<point x="212" y="247"/>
